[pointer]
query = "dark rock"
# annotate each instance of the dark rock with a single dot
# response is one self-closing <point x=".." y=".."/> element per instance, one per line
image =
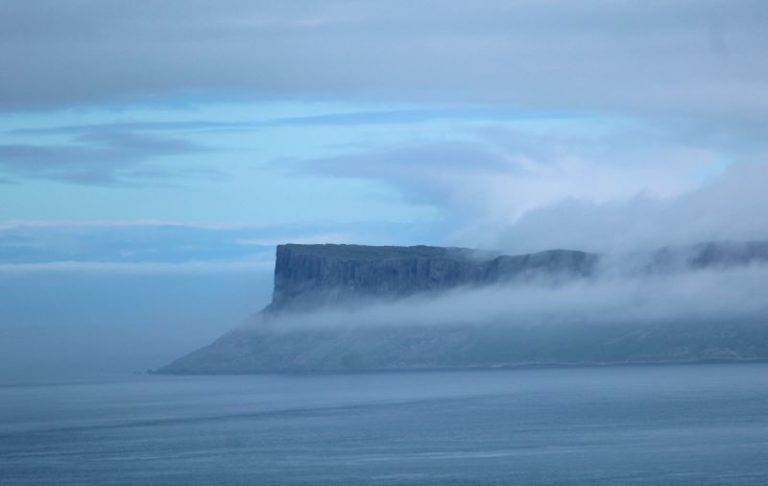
<point x="308" y="276"/>
<point x="313" y="275"/>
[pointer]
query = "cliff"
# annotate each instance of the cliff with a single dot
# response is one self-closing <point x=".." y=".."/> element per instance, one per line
<point x="311" y="276"/>
<point x="314" y="275"/>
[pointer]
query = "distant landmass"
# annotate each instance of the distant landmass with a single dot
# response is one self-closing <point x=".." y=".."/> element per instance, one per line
<point x="312" y="278"/>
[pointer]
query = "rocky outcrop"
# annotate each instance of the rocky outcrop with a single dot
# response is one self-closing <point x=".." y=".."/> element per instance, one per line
<point x="313" y="275"/>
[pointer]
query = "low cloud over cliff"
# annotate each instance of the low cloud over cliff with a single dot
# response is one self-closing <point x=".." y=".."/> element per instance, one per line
<point x="729" y="295"/>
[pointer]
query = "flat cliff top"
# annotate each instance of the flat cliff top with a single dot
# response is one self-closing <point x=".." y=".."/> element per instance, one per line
<point x="364" y="252"/>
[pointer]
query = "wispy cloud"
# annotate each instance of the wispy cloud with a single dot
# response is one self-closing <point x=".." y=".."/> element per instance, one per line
<point x="332" y="119"/>
<point x="247" y="266"/>
<point x="505" y="188"/>
<point x="122" y="247"/>
<point x="321" y="238"/>
<point x="100" y="157"/>
<point x="734" y="295"/>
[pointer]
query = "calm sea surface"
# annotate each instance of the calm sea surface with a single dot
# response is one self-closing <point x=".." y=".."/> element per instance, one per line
<point x="665" y="425"/>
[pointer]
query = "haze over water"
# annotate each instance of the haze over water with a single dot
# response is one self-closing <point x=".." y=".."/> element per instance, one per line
<point x="676" y="425"/>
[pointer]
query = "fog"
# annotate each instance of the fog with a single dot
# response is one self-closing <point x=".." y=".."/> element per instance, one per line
<point x="614" y="297"/>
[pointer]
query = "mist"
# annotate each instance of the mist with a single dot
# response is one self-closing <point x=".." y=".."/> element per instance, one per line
<point x="729" y="295"/>
<point x="62" y="326"/>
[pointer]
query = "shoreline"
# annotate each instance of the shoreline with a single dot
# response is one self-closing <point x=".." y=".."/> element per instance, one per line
<point x="502" y="367"/>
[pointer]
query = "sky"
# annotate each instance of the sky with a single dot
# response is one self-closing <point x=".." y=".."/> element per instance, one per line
<point x="172" y="144"/>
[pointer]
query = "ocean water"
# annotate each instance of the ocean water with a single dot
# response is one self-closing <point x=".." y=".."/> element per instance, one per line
<point x="659" y="425"/>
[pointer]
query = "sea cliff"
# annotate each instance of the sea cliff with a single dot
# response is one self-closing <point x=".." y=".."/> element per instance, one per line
<point x="314" y="275"/>
<point x="314" y="281"/>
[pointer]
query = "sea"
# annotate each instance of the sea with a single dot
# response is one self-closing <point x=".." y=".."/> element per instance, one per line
<point x="641" y="425"/>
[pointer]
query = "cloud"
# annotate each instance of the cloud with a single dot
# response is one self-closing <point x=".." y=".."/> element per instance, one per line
<point x="98" y="157"/>
<point x="340" y="118"/>
<point x="525" y="192"/>
<point x="163" y="247"/>
<point x="247" y="266"/>
<point x="123" y="244"/>
<point x="682" y="58"/>
<point x="690" y="72"/>
<point x="727" y="208"/>
<point x="725" y="295"/>
<point x="309" y="239"/>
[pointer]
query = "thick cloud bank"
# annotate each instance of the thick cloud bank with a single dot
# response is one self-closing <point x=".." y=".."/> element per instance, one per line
<point x="727" y="208"/>
<point x="681" y="56"/>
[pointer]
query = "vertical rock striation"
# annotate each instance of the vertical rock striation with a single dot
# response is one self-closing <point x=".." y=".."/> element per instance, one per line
<point x="311" y="275"/>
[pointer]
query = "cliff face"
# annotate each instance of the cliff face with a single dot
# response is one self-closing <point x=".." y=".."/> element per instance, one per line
<point x="310" y="275"/>
<point x="307" y="276"/>
<point x="262" y="350"/>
